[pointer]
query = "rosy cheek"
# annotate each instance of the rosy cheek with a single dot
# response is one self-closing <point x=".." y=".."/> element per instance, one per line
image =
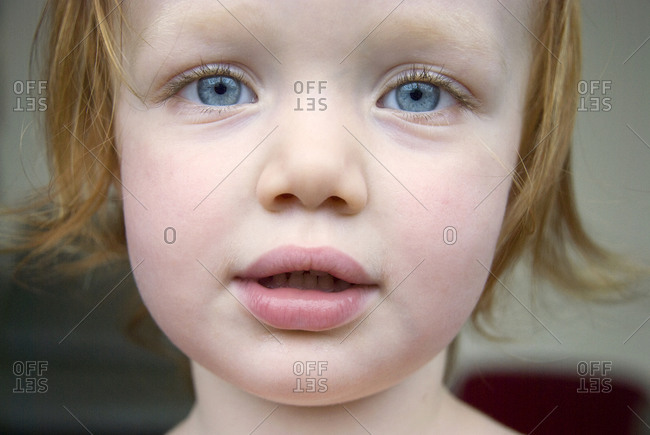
<point x="450" y="243"/>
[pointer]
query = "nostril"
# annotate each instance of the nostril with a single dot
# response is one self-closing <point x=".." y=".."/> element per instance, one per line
<point x="288" y="199"/>
<point x="285" y="199"/>
<point x="337" y="202"/>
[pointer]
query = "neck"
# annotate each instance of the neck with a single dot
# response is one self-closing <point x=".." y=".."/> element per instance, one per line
<point x="412" y="406"/>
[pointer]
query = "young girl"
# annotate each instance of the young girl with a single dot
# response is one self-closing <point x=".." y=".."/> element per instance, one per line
<point x="315" y="198"/>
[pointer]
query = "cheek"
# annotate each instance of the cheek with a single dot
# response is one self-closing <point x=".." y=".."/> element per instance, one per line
<point x="453" y="243"/>
<point x="176" y="225"/>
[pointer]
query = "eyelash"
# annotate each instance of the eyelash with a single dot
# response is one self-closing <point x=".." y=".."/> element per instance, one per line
<point x="427" y="75"/>
<point x="414" y="74"/>
<point x="184" y="79"/>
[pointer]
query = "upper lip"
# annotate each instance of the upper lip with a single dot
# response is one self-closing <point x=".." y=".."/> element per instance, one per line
<point x="293" y="258"/>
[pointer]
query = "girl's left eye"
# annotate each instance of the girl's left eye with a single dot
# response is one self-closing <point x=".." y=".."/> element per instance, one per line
<point x="218" y="90"/>
<point x="416" y="96"/>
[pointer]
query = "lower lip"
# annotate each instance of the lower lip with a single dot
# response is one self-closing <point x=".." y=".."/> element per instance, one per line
<point x="307" y="310"/>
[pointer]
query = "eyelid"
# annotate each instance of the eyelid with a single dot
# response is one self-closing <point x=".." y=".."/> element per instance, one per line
<point x="426" y="74"/>
<point x="179" y="82"/>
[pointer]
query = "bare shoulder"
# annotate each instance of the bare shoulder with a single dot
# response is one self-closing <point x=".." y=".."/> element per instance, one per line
<point x="465" y="419"/>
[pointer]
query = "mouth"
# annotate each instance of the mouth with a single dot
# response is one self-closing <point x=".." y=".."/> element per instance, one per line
<point x="324" y="269"/>
<point x="312" y="289"/>
<point x="306" y="280"/>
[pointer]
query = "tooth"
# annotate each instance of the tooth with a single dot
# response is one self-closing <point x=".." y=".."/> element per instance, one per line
<point x="319" y="273"/>
<point x="279" y="280"/>
<point x="326" y="282"/>
<point x="296" y="279"/>
<point x="311" y="280"/>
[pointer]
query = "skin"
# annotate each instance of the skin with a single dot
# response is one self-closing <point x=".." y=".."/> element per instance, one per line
<point x="371" y="181"/>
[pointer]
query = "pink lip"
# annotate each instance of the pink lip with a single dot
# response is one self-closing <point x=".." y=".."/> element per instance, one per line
<point x="309" y="310"/>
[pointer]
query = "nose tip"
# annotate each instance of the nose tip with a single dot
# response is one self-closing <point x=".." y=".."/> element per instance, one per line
<point x="312" y="184"/>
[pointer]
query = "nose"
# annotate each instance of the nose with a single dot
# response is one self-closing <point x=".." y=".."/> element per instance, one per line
<point x="313" y="166"/>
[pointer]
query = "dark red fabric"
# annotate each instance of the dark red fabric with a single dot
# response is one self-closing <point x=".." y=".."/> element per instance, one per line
<point x="557" y="404"/>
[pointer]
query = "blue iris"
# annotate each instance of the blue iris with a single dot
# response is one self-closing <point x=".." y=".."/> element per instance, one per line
<point x="417" y="97"/>
<point x="219" y="90"/>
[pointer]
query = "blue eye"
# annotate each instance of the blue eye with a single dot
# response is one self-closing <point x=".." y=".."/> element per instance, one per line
<point x="419" y="91"/>
<point x="417" y="97"/>
<point x="414" y="97"/>
<point x="218" y="90"/>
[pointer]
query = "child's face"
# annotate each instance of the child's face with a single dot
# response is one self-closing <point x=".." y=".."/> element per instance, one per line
<point x="304" y="140"/>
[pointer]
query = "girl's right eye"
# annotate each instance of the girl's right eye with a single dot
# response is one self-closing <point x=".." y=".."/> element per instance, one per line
<point x="218" y="90"/>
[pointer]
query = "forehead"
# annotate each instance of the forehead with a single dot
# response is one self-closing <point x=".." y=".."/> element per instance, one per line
<point x="494" y="30"/>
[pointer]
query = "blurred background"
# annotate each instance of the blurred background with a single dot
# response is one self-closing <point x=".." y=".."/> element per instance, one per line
<point x="566" y="366"/>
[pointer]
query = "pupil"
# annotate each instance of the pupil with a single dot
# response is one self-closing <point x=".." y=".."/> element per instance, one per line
<point x="416" y="94"/>
<point x="220" y="89"/>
